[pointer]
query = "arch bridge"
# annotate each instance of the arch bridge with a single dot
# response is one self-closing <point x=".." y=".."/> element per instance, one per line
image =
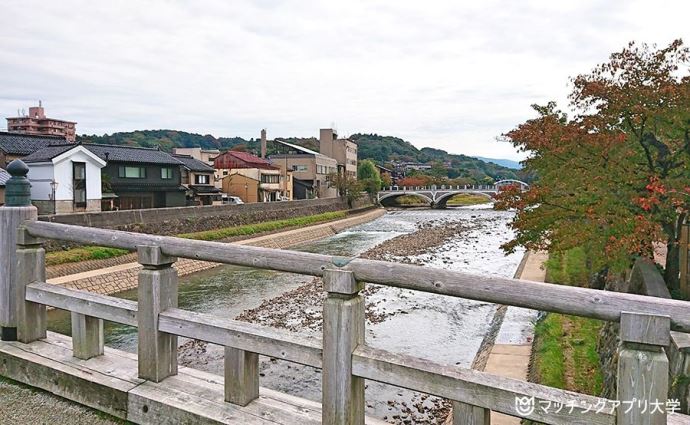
<point x="437" y="196"/>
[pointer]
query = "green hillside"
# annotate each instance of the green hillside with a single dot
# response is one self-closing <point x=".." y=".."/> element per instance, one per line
<point x="382" y="149"/>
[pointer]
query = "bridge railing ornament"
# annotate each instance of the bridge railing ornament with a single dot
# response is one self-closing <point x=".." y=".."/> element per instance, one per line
<point x="342" y="352"/>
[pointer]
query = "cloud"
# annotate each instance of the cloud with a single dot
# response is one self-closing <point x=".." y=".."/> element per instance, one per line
<point x="445" y="74"/>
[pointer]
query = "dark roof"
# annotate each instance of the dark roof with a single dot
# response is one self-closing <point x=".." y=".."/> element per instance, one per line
<point x="25" y="144"/>
<point x="194" y="164"/>
<point x="4" y="176"/>
<point x="204" y="189"/>
<point x="48" y="153"/>
<point x="132" y="154"/>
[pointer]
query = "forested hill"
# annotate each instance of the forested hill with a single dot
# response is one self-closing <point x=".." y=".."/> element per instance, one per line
<point x="382" y="149"/>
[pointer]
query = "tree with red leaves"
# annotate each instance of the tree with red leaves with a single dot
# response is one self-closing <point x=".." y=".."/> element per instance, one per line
<point x="614" y="178"/>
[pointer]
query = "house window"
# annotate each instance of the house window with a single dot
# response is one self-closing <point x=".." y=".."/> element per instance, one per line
<point x="79" y="184"/>
<point x="270" y="178"/>
<point x="201" y="179"/>
<point x="299" y="168"/>
<point x="166" y="173"/>
<point x="132" y="172"/>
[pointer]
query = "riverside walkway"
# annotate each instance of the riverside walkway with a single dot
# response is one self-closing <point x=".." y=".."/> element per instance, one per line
<point x="148" y="387"/>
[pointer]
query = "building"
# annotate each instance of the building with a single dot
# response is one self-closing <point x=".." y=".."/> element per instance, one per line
<point x="205" y="155"/>
<point x="141" y="177"/>
<point x="344" y="151"/>
<point x="198" y="177"/>
<point x="4" y="176"/>
<point x="65" y="179"/>
<point x="386" y="173"/>
<point x="17" y="145"/>
<point x="251" y="178"/>
<point x="36" y="123"/>
<point x="311" y="171"/>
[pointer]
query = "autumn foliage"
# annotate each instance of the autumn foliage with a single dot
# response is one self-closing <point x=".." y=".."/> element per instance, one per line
<point x="615" y="177"/>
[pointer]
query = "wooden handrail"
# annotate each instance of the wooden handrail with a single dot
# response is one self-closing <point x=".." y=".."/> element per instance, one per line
<point x="592" y="303"/>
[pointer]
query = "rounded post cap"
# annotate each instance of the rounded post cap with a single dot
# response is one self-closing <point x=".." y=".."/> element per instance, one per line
<point x="18" y="168"/>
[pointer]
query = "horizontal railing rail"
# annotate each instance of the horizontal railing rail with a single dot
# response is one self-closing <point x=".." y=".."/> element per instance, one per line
<point x="584" y="302"/>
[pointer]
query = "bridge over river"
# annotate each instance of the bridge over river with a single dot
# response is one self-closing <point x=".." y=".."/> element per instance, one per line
<point x="149" y="388"/>
<point x="438" y="196"/>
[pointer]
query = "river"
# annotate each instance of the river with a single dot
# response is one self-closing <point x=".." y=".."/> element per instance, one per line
<point x="444" y="329"/>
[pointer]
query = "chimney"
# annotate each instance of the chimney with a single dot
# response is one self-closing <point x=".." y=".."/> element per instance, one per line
<point x="326" y="138"/>
<point x="263" y="143"/>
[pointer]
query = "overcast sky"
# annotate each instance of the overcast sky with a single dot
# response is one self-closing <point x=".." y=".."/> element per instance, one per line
<point x="448" y="74"/>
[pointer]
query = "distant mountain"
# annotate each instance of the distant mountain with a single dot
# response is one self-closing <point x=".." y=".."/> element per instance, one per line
<point x="386" y="149"/>
<point x="382" y="149"/>
<point x="508" y="163"/>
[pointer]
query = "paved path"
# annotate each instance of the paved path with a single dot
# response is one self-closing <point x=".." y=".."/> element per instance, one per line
<point x="510" y="354"/>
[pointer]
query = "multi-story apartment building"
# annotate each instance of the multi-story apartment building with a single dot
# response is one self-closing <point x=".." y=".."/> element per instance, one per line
<point x="344" y="151"/>
<point x="36" y="122"/>
<point x="311" y="170"/>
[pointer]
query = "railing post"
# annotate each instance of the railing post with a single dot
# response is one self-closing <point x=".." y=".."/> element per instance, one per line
<point x="241" y="376"/>
<point x="643" y="369"/>
<point x="31" y="268"/>
<point x="16" y="210"/>
<point x="157" y="292"/>
<point x="87" y="336"/>
<point x="343" y="331"/>
<point x="466" y="414"/>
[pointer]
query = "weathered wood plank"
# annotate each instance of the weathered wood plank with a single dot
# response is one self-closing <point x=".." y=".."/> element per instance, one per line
<point x="343" y="330"/>
<point x="87" y="336"/>
<point x="31" y="317"/>
<point x="466" y="414"/>
<point x="645" y="329"/>
<point x="47" y="367"/>
<point x="478" y="388"/>
<point x="10" y="220"/>
<point x="157" y="292"/>
<point x="241" y="376"/>
<point x="584" y="302"/>
<point x="241" y="335"/>
<point x="95" y="305"/>
<point x="643" y="369"/>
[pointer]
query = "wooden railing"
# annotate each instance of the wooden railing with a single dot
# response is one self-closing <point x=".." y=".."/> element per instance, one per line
<point x="343" y="355"/>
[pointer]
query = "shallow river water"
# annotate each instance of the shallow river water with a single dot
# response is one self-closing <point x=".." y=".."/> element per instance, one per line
<point x="444" y="329"/>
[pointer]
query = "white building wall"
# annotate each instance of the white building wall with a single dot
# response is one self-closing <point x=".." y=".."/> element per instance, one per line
<point x="40" y="176"/>
<point x="63" y="175"/>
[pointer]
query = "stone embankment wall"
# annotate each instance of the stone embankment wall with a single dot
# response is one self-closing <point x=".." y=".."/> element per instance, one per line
<point x="199" y="218"/>
<point x="645" y="279"/>
<point x="174" y="221"/>
<point x="124" y="276"/>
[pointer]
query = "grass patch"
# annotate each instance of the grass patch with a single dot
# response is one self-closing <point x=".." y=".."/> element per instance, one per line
<point x="568" y="268"/>
<point x="465" y="199"/>
<point x="75" y="255"/>
<point x="267" y="226"/>
<point x="409" y="201"/>
<point x="99" y="253"/>
<point x="565" y="346"/>
<point x="566" y="353"/>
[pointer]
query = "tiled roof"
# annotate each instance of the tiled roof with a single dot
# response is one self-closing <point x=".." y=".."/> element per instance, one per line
<point x="248" y="158"/>
<point x="25" y="144"/>
<point x="48" y="153"/>
<point x="132" y="154"/>
<point x="4" y="176"/>
<point x="194" y="164"/>
<point x="297" y="147"/>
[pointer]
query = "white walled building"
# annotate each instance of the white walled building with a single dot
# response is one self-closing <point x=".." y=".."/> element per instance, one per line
<point x="65" y="179"/>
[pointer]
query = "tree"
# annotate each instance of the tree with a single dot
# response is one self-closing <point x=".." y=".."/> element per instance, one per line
<point x="348" y="187"/>
<point x="614" y="178"/>
<point x="369" y="176"/>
